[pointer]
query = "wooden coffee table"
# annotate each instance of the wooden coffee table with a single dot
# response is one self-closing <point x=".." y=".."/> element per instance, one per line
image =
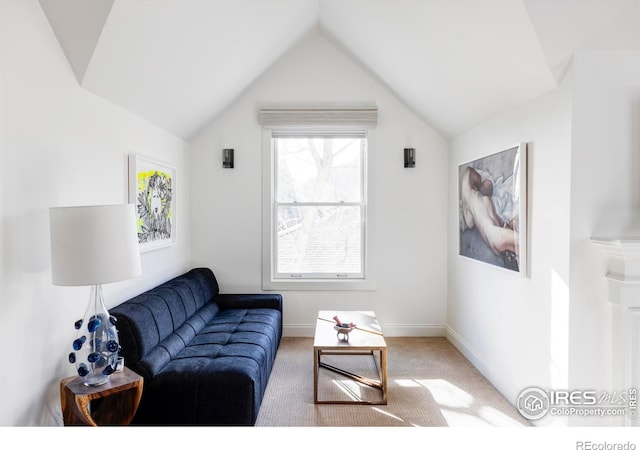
<point x="365" y="339"/>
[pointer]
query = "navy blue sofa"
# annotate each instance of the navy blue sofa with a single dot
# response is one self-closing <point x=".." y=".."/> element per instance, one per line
<point x="205" y="357"/>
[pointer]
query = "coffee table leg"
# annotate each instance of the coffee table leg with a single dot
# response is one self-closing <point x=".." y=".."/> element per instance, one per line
<point x="383" y="374"/>
<point x="316" y="367"/>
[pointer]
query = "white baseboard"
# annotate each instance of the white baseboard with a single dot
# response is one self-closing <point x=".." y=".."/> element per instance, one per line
<point x="298" y="330"/>
<point x="427" y="330"/>
<point x="467" y="350"/>
<point x="474" y="357"/>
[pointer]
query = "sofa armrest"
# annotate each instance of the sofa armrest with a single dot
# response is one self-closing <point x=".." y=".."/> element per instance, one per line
<point x="229" y="301"/>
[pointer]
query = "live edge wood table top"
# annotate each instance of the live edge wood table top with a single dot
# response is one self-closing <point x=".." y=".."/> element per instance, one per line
<point x="113" y="403"/>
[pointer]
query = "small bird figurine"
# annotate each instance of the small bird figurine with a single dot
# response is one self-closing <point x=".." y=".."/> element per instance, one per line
<point x="344" y="325"/>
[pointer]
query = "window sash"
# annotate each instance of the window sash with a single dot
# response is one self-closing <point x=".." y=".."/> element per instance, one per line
<point x="347" y="263"/>
<point x="315" y="135"/>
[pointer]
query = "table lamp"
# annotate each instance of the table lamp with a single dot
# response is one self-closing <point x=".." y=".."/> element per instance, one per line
<point x="91" y="246"/>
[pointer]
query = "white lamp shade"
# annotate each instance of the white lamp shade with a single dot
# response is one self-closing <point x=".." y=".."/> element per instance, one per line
<point x="93" y="245"/>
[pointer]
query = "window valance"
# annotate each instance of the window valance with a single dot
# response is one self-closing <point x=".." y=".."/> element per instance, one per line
<point x="358" y="116"/>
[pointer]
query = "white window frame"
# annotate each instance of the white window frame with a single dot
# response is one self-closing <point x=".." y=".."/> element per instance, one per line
<point x="270" y="280"/>
<point x="362" y="205"/>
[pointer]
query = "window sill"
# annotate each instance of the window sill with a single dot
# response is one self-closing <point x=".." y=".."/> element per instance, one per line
<point x="319" y="285"/>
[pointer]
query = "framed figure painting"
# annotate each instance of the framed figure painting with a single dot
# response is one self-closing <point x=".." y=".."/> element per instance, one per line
<point x="152" y="189"/>
<point x="492" y="193"/>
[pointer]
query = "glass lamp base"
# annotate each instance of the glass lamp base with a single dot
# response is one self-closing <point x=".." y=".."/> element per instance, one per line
<point x="95" y="349"/>
<point x="95" y="380"/>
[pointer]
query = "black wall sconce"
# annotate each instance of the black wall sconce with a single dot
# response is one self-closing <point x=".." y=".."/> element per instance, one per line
<point x="227" y="158"/>
<point x="409" y="157"/>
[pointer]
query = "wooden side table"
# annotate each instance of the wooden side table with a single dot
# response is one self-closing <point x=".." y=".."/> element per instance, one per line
<point x="113" y="403"/>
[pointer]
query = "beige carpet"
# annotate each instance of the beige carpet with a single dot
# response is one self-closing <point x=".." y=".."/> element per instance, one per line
<point x="430" y="384"/>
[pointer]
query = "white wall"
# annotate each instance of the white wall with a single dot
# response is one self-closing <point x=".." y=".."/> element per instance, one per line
<point x="605" y="202"/>
<point x="60" y="146"/>
<point x="555" y="329"/>
<point x="514" y="328"/>
<point x="409" y="204"/>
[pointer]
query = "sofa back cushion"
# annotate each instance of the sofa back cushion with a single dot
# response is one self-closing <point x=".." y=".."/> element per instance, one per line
<point x="157" y="324"/>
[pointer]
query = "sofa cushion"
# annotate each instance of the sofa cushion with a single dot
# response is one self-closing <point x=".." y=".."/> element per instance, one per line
<point x="201" y="391"/>
<point x="156" y="325"/>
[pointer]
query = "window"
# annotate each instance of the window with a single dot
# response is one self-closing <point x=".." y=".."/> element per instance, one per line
<point x="316" y="201"/>
<point x="319" y="206"/>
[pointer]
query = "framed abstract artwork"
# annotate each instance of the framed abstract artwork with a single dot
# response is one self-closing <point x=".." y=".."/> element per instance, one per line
<point x="152" y="189"/>
<point x="492" y="194"/>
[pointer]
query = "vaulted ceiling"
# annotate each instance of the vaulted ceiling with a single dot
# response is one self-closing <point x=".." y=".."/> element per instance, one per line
<point x="180" y="63"/>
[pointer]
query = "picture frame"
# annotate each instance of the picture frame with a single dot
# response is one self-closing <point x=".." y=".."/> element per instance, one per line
<point x="492" y="195"/>
<point x="152" y="189"/>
